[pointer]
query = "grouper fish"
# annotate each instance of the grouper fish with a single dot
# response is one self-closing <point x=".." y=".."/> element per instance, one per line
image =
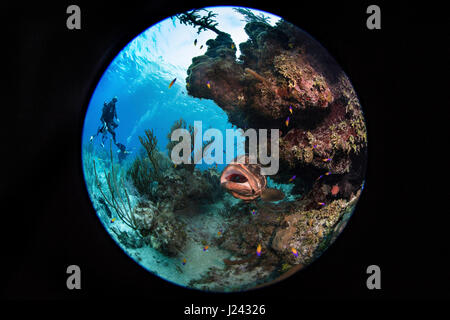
<point x="245" y="181"/>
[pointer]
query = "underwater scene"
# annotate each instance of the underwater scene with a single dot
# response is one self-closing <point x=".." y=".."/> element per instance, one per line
<point x="224" y="149"/>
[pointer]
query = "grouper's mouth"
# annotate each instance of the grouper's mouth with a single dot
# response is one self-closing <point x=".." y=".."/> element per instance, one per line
<point x="236" y="174"/>
<point x="236" y="177"/>
<point x="240" y="182"/>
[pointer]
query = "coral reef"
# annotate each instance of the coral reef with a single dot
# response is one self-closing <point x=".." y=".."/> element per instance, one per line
<point x="181" y="124"/>
<point x="127" y="239"/>
<point x="160" y="230"/>
<point x="173" y="187"/>
<point x="140" y="172"/>
<point x="150" y="144"/>
<point x="118" y="198"/>
<point x="183" y="187"/>
<point x="302" y="224"/>
<point x="279" y="68"/>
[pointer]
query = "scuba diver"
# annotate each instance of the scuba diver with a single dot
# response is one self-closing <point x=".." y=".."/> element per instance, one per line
<point x="103" y="130"/>
<point x="122" y="152"/>
<point x="109" y="113"/>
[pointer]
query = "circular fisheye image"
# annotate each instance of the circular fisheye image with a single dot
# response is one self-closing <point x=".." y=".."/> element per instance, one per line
<point x="224" y="149"/>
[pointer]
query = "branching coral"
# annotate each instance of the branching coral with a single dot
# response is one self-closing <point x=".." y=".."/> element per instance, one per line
<point x="249" y="16"/>
<point x="118" y="197"/>
<point x="140" y="173"/>
<point x="193" y="18"/>
<point x="181" y="124"/>
<point x="88" y="156"/>
<point x="150" y="145"/>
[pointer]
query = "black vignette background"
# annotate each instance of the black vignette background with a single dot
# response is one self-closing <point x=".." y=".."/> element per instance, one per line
<point x="399" y="73"/>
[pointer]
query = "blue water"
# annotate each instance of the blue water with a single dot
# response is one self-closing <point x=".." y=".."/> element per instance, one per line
<point x="150" y="105"/>
<point x="141" y="73"/>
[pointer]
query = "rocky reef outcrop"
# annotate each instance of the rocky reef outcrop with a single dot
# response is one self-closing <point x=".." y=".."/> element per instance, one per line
<point x="282" y="72"/>
<point x="172" y="187"/>
<point x="285" y="80"/>
<point x="160" y="230"/>
<point x="144" y="195"/>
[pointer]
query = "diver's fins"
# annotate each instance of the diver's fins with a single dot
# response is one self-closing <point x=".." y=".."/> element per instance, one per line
<point x="270" y="194"/>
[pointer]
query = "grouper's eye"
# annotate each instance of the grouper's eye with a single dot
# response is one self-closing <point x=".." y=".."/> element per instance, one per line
<point x="239" y="178"/>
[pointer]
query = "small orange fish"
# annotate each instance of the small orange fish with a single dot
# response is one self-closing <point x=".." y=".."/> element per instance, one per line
<point x="321" y="203"/>
<point x="205" y="248"/>
<point x="113" y="219"/>
<point x="294" y="252"/>
<point x="258" y="250"/>
<point x="287" y="122"/>
<point x="290" y="109"/>
<point x="219" y="233"/>
<point x="232" y="46"/>
<point x="292" y="179"/>
<point x="171" y="83"/>
<point x="184" y="261"/>
<point x="175" y="165"/>
<point x="187" y="84"/>
<point x="321" y="176"/>
<point x="208" y="85"/>
<point x="326" y="160"/>
<point x="253" y="212"/>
